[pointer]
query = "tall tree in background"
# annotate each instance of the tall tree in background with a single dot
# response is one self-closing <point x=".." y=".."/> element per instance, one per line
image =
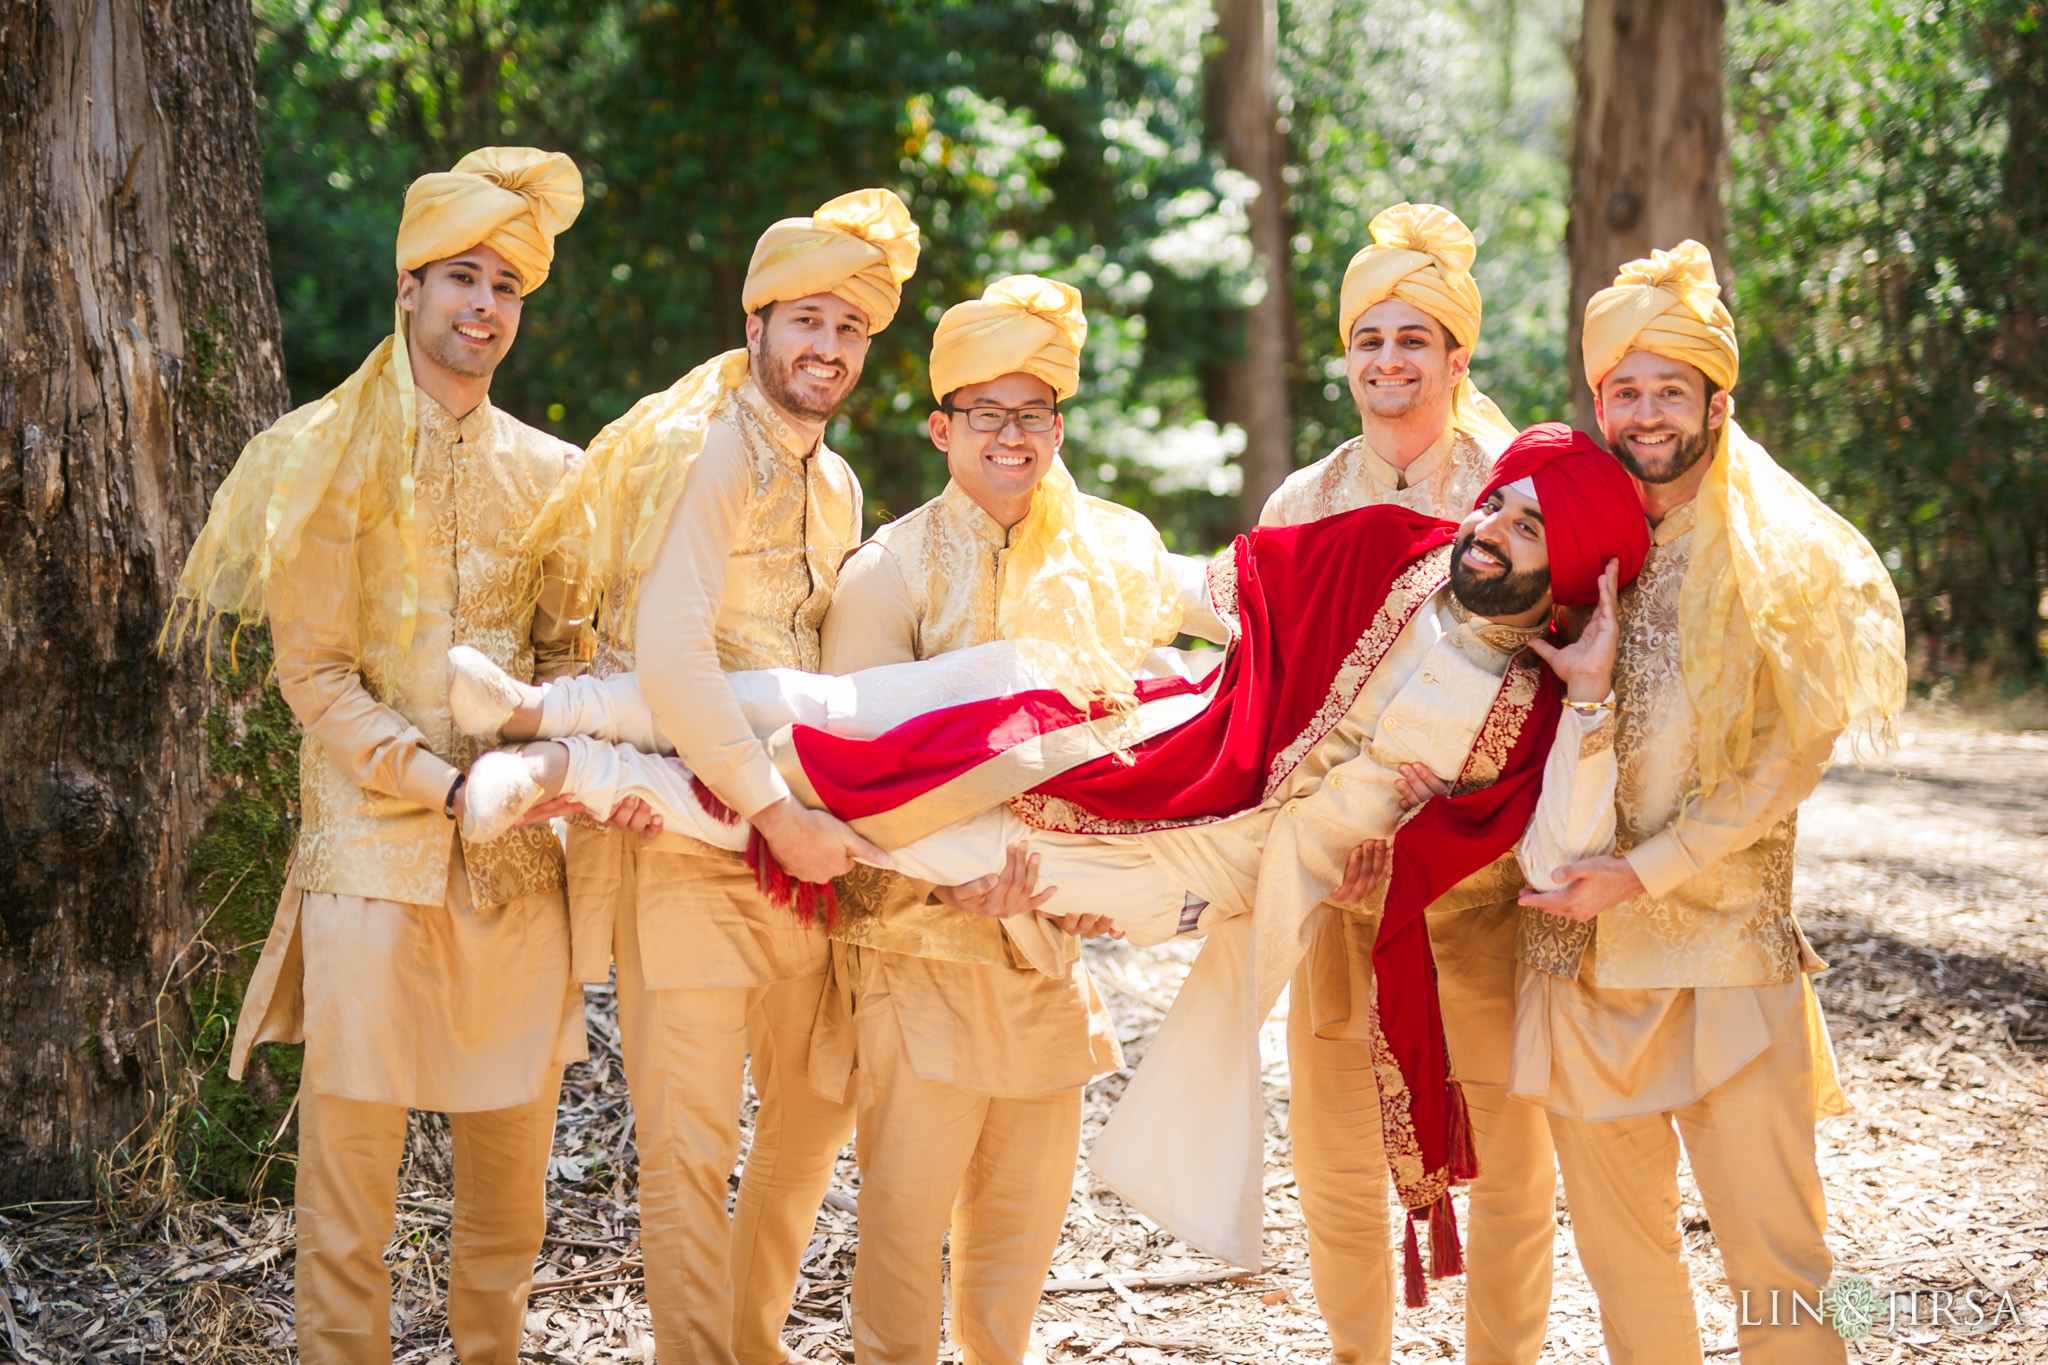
<point x="141" y="350"/>
<point x="1243" y="115"/>
<point x="1649" y="152"/>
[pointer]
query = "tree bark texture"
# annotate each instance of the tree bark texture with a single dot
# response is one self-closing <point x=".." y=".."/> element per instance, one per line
<point x="1244" y="124"/>
<point x="1649" y="147"/>
<point x="139" y="350"/>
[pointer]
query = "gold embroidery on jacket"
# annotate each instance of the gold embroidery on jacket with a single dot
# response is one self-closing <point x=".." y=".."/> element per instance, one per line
<point x="478" y="483"/>
<point x="1731" y="924"/>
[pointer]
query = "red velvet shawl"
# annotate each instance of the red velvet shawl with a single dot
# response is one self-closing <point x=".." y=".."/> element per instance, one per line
<point x="1316" y="608"/>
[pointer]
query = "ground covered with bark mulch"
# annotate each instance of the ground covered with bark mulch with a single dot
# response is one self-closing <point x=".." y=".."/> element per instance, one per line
<point x="1923" y="879"/>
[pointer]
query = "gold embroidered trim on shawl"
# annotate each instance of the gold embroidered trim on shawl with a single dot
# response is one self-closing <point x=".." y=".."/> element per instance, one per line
<point x="1009" y="774"/>
<point x="1415" y="1185"/>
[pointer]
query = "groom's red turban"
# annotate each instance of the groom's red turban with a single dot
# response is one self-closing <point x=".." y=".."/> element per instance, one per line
<point x="1590" y="510"/>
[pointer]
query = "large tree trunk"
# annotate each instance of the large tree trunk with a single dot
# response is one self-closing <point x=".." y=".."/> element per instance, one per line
<point x="138" y="350"/>
<point x="1244" y="123"/>
<point x="1649" y="150"/>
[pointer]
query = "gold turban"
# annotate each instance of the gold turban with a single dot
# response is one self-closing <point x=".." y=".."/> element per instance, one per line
<point x="1777" y="585"/>
<point x="1021" y="324"/>
<point x="1670" y="303"/>
<point x="1422" y="255"/>
<point x="514" y="200"/>
<point x="860" y="246"/>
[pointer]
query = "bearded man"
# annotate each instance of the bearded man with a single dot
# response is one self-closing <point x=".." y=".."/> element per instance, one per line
<point x="970" y="1062"/>
<point x="421" y="970"/>
<point x="1410" y="316"/>
<point x="720" y="520"/>
<point x="1665" y="994"/>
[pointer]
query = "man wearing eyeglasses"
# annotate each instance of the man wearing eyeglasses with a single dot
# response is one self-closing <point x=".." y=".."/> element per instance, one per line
<point x="967" y="1062"/>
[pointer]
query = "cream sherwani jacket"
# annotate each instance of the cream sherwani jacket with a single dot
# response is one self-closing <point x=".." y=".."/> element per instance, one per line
<point x="421" y="970"/>
<point x="746" y="569"/>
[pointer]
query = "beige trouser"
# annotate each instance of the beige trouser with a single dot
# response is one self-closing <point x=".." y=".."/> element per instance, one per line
<point x="349" y="1153"/>
<point x="1340" y="1164"/>
<point x="719" y="1290"/>
<point x="1751" y="1144"/>
<point x="999" y="1171"/>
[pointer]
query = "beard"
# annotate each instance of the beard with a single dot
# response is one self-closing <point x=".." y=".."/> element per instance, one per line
<point x="1690" y="449"/>
<point x="1509" y="594"/>
<point x="776" y="374"/>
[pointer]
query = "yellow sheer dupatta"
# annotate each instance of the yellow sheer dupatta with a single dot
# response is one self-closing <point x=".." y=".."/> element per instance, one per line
<point x="1085" y="593"/>
<point x="260" y="512"/>
<point x="611" y="511"/>
<point x="1817" y="601"/>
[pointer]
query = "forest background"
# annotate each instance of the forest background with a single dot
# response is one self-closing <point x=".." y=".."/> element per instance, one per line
<point x="1886" y="244"/>
<point x="1871" y="174"/>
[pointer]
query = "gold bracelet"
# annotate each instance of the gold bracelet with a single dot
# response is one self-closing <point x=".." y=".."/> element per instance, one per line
<point x="1589" y="708"/>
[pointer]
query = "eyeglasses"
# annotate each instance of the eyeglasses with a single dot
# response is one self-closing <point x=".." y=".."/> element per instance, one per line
<point x="1036" y="421"/>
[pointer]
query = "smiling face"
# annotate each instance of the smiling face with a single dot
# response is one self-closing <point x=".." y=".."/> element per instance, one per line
<point x="1401" y="364"/>
<point x="464" y="312"/>
<point x="1500" y="563"/>
<point x="807" y="353"/>
<point x="998" y="469"/>
<point x="1658" y="416"/>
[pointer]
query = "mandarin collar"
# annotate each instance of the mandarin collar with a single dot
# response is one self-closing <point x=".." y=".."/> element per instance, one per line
<point x="445" y="427"/>
<point x="1502" y="639"/>
<point x="1676" y="523"/>
<point x="964" y="508"/>
<point x="1425" y="464"/>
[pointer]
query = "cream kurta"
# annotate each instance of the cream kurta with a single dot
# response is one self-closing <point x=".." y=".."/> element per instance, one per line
<point x="1444" y="481"/>
<point x="928" y="583"/>
<point x="746" y="569"/>
<point x="1685" y="1015"/>
<point x="418" y="971"/>
<point x="1667" y="995"/>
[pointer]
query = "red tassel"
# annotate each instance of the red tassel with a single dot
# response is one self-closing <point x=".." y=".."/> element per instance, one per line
<point x="1464" y="1157"/>
<point x="713" y="807"/>
<point x="1411" y="1267"/>
<point x="808" y="901"/>
<point x="1446" y="1257"/>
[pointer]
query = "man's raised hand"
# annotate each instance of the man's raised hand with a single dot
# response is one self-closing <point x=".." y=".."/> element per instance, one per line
<point x="813" y="845"/>
<point x="1586" y="666"/>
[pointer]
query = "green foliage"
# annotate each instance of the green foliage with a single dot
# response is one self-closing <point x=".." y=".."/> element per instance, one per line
<point x="1887" y="207"/>
<point x="1887" y="211"/>
<point x="1021" y="133"/>
<point x="231" y="1132"/>
<point x="1466" y="105"/>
